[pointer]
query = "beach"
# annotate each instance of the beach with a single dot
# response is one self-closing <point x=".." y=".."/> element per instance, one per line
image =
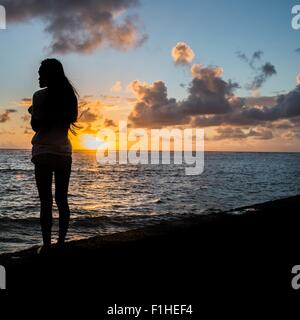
<point x="243" y="251"/>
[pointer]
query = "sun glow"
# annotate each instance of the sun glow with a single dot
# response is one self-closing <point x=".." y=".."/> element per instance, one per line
<point x="91" y="142"/>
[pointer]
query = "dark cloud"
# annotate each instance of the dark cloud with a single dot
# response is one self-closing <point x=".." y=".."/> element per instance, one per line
<point x="233" y="85"/>
<point x="260" y="101"/>
<point x="5" y="116"/>
<point x="211" y="102"/>
<point x="153" y="108"/>
<point x="281" y="125"/>
<point x="81" y="26"/>
<point x="262" y="73"/>
<point x="208" y="95"/>
<point x="265" y="72"/>
<point x="238" y="133"/>
<point x="297" y="50"/>
<point x="286" y="107"/>
<point x="295" y="120"/>
<point x="250" y="61"/>
<point x="208" y="92"/>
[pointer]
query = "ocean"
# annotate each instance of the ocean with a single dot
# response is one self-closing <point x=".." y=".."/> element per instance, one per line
<point x="106" y="199"/>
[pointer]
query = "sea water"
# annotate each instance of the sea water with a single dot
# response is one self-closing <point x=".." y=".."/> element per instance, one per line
<point x="106" y="199"/>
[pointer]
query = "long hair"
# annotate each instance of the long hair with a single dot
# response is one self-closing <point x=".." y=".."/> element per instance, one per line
<point x="63" y="97"/>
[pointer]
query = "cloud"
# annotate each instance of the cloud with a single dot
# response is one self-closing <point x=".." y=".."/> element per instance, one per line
<point x="239" y="134"/>
<point x="81" y="26"/>
<point x="87" y="116"/>
<point x="297" y="50"/>
<point x="89" y="109"/>
<point x="200" y="72"/>
<point x="109" y="123"/>
<point x="112" y="102"/>
<point x="182" y="54"/>
<point x="262" y="73"/>
<point x="117" y="87"/>
<point x="89" y="130"/>
<point x="153" y="108"/>
<point x="208" y="95"/>
<point x="281" y="125"/>
<point x="250" y="61"/>
<point x="260" y="101"/>
<point x="211" y="102"/>
<point x="208" y="92"/>
<point x="298" y="79"/>
<point x="296" y="120"/>
<point x="286" y="107"/>
<point x="26" y="118"/>
<point x="28" y="130"/>
<point x="5" y="116"/>
<point x="7" y="132"/>
<point x="26" y="102"/>
<point x="265" y="72"/>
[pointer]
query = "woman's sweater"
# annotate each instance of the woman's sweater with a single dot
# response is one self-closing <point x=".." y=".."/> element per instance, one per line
<point x="51" y="134"/>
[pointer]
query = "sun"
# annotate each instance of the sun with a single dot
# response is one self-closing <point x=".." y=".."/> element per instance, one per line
<point x="91" y="142"/>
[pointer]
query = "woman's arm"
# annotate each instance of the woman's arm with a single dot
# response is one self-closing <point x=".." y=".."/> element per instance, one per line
<point x="35" y="124"/>
<point x="39" y="120"/>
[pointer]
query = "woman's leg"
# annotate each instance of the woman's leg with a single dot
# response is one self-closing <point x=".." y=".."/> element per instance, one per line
<point x="62" y="176"/>
<point x="43" y="177"/>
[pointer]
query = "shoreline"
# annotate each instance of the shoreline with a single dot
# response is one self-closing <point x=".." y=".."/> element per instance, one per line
<point x="260" y="241"/>
<point x="189" y="221"/>
<point x="164" y="227"/>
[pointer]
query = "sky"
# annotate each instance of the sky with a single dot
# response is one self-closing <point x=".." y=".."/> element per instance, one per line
<point x="229" y="67"/>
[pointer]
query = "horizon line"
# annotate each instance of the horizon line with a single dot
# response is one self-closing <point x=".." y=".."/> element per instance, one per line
<point x="227" y="151"/>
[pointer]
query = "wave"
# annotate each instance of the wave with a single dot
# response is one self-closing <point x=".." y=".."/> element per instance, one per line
<point x="90" y="221"/>
<point x="11" y="170"/>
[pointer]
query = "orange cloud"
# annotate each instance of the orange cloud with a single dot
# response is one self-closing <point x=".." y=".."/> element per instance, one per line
<point x="25" y="102"/>
<point x="182" y="53"/>
<point x="5" y="116"/>
<point x="117" y="87"/>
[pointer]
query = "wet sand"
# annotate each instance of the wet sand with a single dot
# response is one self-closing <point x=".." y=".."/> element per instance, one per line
<point x="250" y="250"/>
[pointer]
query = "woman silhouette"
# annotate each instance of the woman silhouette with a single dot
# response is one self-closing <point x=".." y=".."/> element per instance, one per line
<point x="54" y="112"/>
